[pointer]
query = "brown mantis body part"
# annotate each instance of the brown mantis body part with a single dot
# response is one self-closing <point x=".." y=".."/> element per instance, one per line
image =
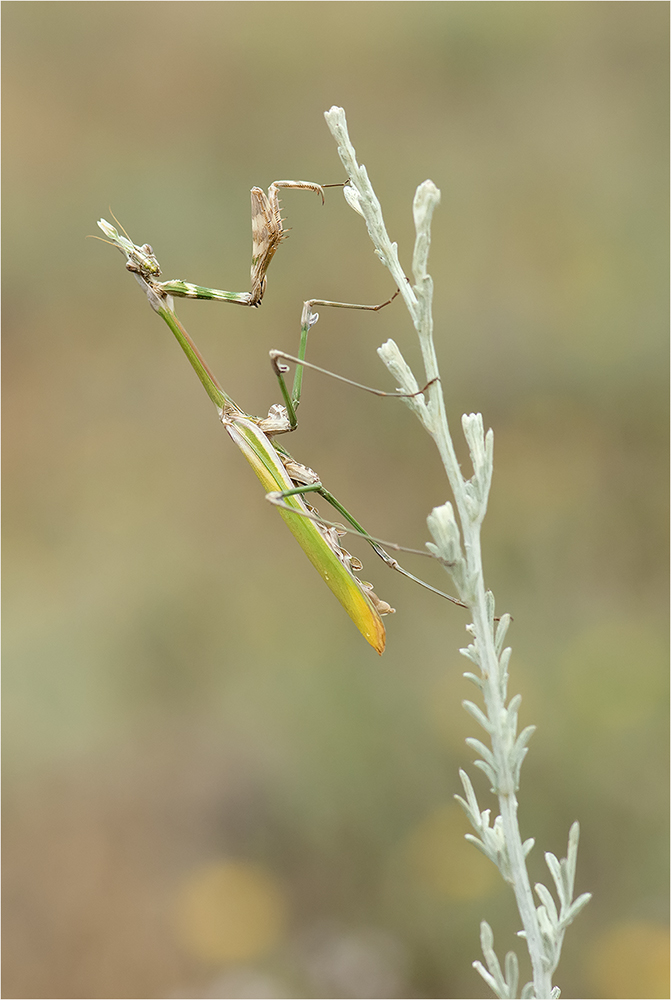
<point x="267" y="234"/>
<point x="267" y="231"/>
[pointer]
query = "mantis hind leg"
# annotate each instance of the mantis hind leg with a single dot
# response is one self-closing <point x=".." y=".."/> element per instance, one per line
<point x="277" y="498"/>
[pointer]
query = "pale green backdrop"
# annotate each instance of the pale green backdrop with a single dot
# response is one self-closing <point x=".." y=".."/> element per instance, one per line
<point x="213" y="787"/>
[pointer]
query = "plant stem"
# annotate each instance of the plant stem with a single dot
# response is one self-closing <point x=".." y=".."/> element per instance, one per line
<point x="418" y="300"/>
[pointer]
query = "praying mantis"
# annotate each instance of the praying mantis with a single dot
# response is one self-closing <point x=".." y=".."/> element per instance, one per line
<point x="285" y="480"/>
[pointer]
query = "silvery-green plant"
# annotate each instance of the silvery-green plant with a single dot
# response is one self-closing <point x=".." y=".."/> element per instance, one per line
<point x="456" y="544"/>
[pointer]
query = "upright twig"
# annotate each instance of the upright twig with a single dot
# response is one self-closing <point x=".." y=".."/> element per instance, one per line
<point x="456" y="544"/>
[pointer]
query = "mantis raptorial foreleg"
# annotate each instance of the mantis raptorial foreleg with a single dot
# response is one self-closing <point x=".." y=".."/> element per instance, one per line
<point x="267" y="234"/>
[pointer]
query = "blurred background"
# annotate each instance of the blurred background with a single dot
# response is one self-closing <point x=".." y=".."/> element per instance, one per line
<point x="213" y="786"/>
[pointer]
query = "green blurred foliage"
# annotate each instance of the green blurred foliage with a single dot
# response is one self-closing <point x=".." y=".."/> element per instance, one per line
<point x="180" y="690"/>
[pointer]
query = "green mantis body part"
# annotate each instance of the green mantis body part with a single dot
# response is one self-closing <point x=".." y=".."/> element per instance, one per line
<point x="308" y="320"/>
<point x="187" y="290"/>
<point x="320" y="544"/>
<point x="272" y="465"/>
<point x="267" y="234"/>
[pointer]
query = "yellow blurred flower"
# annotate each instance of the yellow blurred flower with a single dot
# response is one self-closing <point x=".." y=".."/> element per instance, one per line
<point x="230" y="911"/>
